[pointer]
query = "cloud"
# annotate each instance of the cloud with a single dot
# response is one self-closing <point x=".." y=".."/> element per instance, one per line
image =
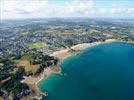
<point x="121" y="10"/>
<point x="78" y="6"/>
<point x="130" y="11"/>
<point x="71" y="8"/>
<point x="18" y="5"/>
<point x="102" y="10"/>
<point x="45" y="8"/>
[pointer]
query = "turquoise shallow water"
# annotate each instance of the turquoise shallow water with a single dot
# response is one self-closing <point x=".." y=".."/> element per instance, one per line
<point x="103" y="72"/>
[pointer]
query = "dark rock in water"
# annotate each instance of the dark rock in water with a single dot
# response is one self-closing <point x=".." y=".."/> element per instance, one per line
<point x="46" y="94"/>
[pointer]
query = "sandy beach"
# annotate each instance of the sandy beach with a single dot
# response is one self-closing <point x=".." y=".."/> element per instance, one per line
<point x="33" y="81"/>
<point x="61" y="55"/>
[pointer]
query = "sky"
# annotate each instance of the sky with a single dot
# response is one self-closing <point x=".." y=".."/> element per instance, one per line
<point x="19" y="9"/>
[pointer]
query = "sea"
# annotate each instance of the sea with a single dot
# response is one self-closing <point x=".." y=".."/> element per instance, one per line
<point x="101" y="72"/>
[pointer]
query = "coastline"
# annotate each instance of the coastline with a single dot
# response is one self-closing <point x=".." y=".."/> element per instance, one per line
<point x="33" y="81"/>
<point x="61" y="55"/>
<point x="64" y="53"/>
<point x="112" y="46"/>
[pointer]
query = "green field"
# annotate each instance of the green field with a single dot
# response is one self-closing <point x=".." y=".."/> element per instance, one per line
<point x="36" y="45"/>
